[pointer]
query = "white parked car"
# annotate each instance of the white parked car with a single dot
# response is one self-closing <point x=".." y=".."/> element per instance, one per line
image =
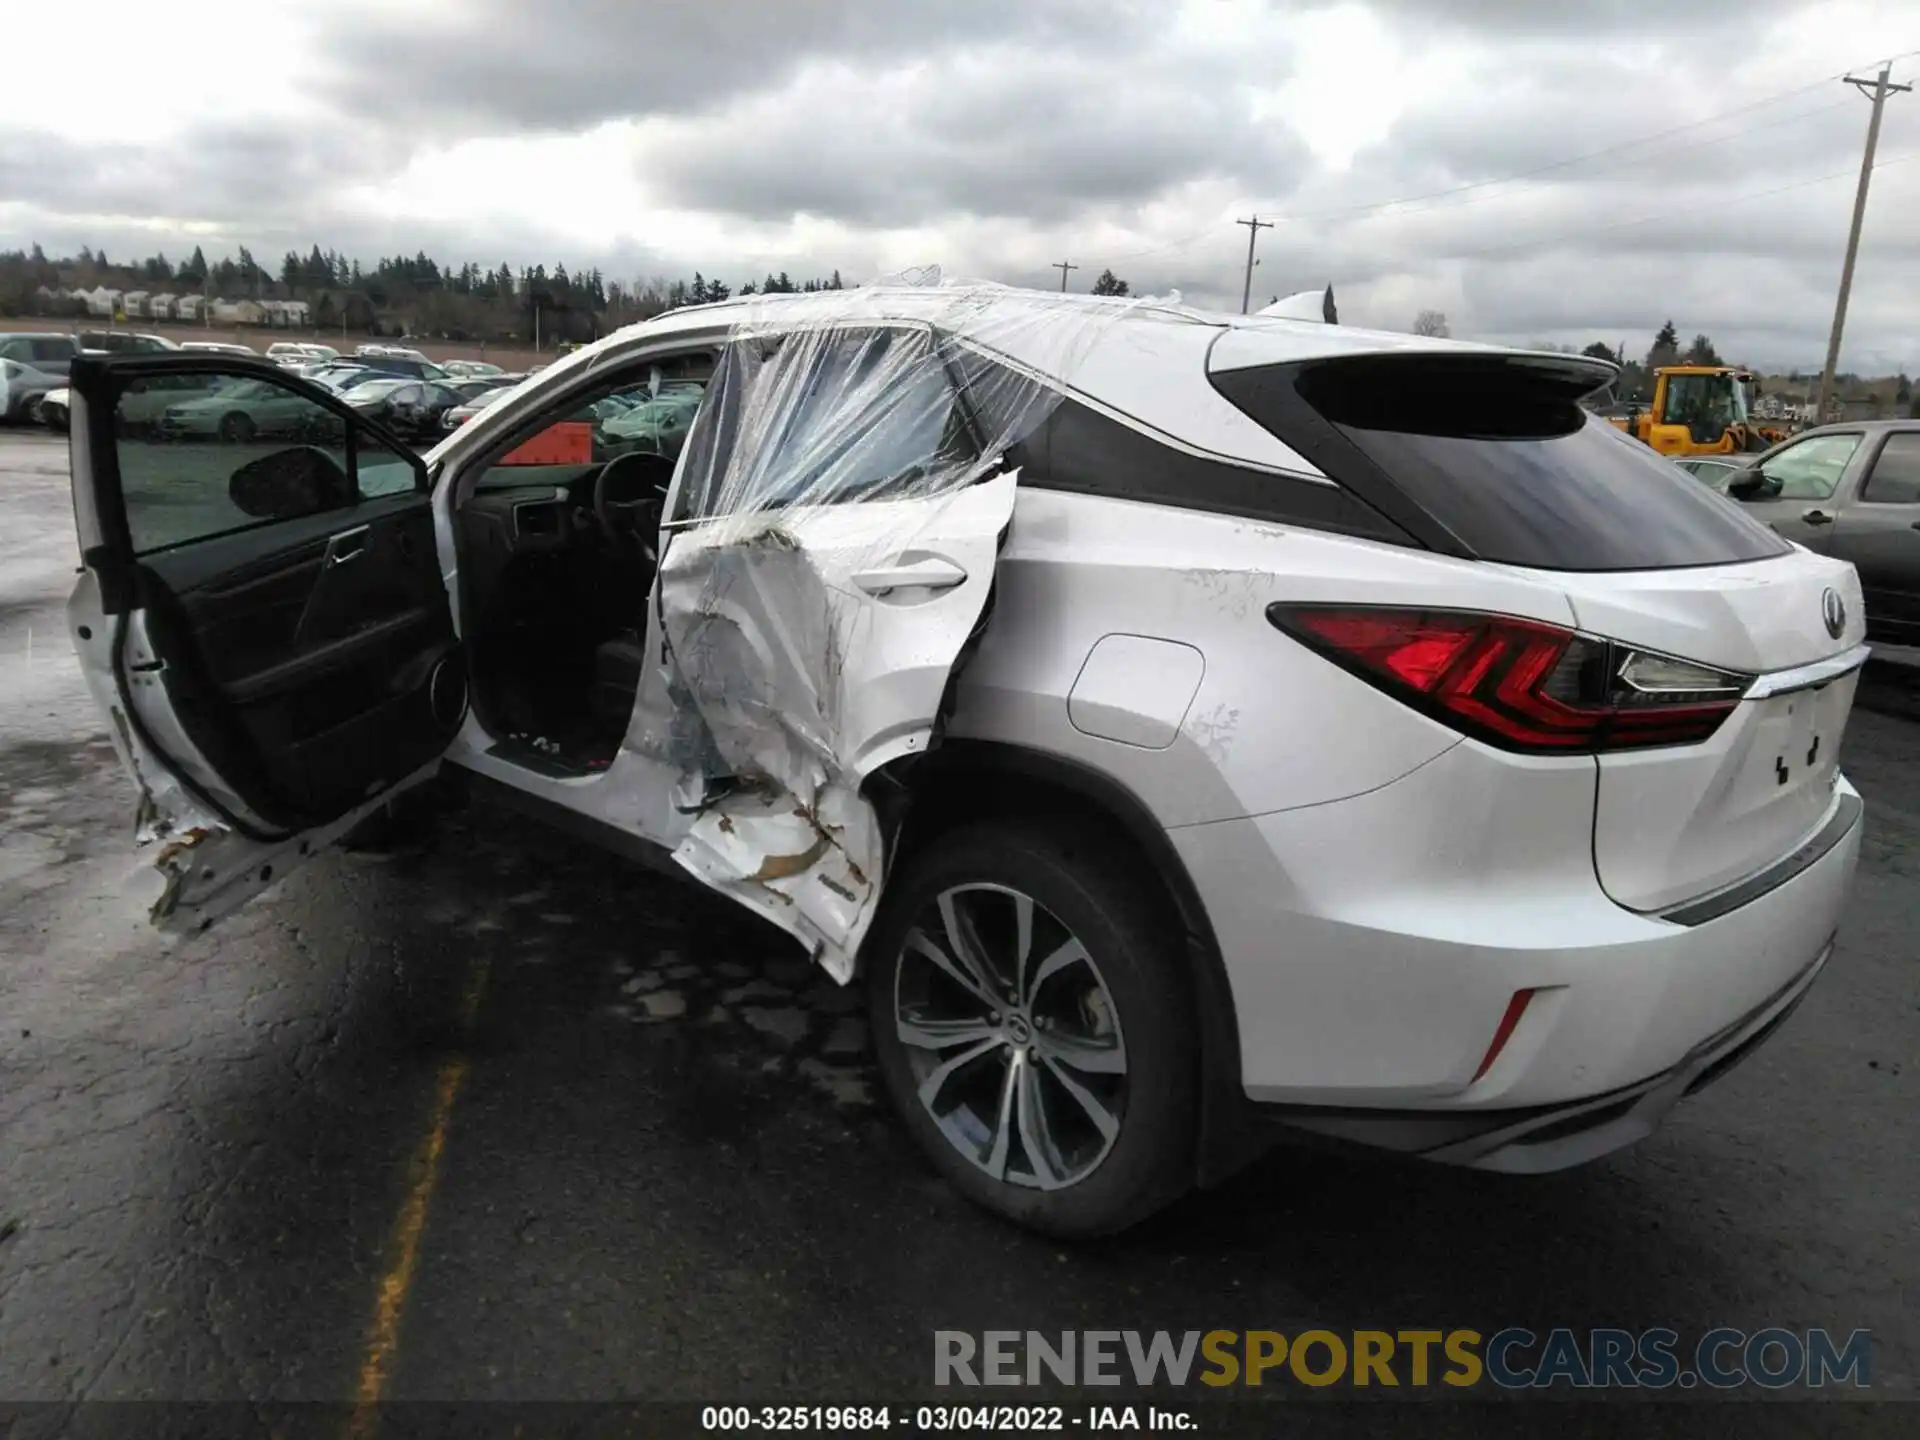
<point x="21" y="389"/>
<point x="50" y="409"/>
<point x="1186" y="727"/>
<point x="296" y="354"/>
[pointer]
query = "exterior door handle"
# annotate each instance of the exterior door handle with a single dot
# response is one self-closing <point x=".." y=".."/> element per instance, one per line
<point x="1817" y="517"/>
<point x="931" y="573"/>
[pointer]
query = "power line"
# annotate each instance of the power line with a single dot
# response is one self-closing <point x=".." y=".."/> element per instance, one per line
<point x="1551" y="166"/>
<point x="1663" y="154"/>
<point x="1692" y="206"/>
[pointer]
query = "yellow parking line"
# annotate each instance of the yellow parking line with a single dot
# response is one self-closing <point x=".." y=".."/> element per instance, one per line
<point x="383" y="1335"/>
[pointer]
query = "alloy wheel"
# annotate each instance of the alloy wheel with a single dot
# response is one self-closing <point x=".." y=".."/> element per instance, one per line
<point x="1012" y="1036"/>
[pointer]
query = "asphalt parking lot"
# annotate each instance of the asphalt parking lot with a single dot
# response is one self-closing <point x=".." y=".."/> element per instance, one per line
<point x="496" y="1116"/>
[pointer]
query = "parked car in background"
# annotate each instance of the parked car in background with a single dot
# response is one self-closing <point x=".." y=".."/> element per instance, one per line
<point x="1181" y="726"/>
<point x="219" y="347"/>
<point x="413" y="368"/>
<point x="1853" y="492"/>
<point x="471" y="386"/>
<point x="21" y="387"/>
<point x="376" y="351"/>
<point x="126" y="342"/>
<point x="48" y="353"/>
<point x="236" y="411"/>
<point x="338" y="374"/>
<point x="470" y="369"/>
<point x="412" y="409"/>
<point x="461" y="414"/>
<point x="657" y="425"/>
<point x="296" y="354"/>
<point x="147" y="398"/>
<point x="53" y="409"/>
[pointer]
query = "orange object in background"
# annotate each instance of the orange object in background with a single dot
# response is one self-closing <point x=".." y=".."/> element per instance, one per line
<point x="570" y="442"/>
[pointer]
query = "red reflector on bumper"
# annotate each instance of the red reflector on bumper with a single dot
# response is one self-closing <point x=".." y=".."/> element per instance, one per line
<point x="1516" y="1007"/>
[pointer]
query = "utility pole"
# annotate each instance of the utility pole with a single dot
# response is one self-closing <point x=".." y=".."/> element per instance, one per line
<point x="1063" y="267"/>
<point x="1877" y="91"/>
<point x="1254" y="227"/>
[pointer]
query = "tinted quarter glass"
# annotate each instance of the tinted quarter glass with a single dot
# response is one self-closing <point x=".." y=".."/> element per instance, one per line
<point x="1499" y="453"/>
<point x="1896" y="474"/>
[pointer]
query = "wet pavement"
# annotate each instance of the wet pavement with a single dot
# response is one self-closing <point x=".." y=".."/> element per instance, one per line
<point x="498" y="1116"/>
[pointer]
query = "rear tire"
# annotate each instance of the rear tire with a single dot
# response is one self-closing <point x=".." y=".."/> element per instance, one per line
<point x="1065" y="1103"/>
<point x="236" y="429"/>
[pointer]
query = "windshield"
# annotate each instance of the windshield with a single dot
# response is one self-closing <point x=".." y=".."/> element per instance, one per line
<point x="1717" y="399"/>
<point x="373" y="389"/>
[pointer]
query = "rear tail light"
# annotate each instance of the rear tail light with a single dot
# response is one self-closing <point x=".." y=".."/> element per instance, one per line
<point x="1520" y="684"/>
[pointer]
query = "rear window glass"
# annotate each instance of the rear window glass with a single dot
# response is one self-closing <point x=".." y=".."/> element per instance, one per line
<point x="1506" y="458"/>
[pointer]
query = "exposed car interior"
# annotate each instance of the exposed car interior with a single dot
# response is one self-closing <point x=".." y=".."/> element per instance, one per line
<point x="557" y="547"/>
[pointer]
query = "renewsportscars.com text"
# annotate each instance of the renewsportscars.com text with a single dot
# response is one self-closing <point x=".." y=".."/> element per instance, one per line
<point x="1511" y="1359"/>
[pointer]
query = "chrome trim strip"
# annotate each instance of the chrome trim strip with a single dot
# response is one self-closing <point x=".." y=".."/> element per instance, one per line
<point x="1808" y="677"/>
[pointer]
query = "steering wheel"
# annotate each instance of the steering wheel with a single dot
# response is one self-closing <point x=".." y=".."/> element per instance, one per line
<point x="627" y="496"/>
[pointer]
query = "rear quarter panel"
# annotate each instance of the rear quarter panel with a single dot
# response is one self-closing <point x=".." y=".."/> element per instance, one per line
<point x="1271" y="725"/>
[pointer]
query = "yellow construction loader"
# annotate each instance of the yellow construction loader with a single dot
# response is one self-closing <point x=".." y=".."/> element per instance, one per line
<point x="1699" y="410"/>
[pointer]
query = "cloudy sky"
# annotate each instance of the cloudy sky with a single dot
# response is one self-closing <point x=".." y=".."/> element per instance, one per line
<point x="1538" y="171"/>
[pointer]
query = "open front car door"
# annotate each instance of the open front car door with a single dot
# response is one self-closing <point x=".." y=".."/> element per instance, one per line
<point x="261" y="616"/>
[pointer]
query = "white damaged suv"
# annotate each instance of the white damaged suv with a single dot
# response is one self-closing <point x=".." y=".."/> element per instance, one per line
<point x="1186" y="727"/>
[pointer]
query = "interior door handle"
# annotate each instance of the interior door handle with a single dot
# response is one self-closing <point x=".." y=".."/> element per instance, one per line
<point x="932" y="573"/>
<point x="347" y="545"/>
<point x="1817" y="517"/>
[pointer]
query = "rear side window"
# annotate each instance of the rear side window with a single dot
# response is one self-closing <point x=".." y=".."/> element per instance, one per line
<point x="1896" y="474"/>
<point x="1500" y="453"/>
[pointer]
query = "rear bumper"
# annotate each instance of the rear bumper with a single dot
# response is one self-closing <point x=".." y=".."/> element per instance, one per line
<point x="1375" y="946"/>
<point x="1555" y="1137"/>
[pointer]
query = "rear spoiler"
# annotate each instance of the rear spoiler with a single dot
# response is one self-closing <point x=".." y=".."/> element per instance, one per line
<point x="1306" y="305"/>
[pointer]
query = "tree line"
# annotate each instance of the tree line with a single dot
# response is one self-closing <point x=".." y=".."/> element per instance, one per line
<point x="395" y="294"/>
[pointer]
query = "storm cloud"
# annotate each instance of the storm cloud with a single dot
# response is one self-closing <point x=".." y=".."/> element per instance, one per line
<point x="1541" y="173"/>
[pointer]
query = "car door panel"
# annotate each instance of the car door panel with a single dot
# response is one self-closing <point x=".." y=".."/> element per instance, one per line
<point x="270" y="677"/>
<point x="842" y="523"/>
<point x="1810" y="478"/>
<point x="1879" y="533"/>
<point x="316" y="664"/>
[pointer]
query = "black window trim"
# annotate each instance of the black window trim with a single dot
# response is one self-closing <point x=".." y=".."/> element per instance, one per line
<point x="1867" y="473"/>
<point x="1191" y="477"/>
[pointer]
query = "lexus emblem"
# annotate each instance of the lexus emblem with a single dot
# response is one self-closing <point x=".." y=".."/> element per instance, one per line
<point x="1833" y="610"/>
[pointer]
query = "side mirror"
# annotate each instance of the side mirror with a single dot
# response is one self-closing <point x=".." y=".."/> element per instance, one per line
<point x="1754" y="485"/>
<point x="290" y="484"/>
